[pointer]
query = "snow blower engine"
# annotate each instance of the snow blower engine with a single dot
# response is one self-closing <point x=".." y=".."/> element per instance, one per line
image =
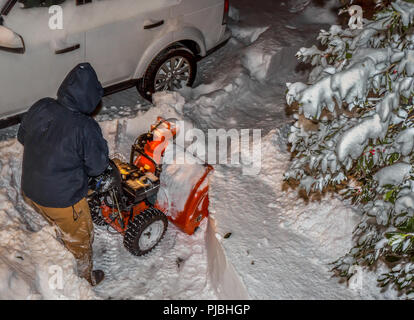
<point x="138" y="198"/>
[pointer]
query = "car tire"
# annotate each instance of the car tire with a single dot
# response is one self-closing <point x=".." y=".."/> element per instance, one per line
<point x="145" y="231"/>
<point x="147" y="85"/>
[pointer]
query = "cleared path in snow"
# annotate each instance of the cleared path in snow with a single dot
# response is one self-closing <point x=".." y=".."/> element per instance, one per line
<point x="280" y="246"/>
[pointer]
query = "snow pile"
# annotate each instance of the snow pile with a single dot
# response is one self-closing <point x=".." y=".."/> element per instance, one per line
<point x="224" y="278"/>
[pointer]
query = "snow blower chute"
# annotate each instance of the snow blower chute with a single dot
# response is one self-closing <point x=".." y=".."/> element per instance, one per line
<point x="138" y="198"/>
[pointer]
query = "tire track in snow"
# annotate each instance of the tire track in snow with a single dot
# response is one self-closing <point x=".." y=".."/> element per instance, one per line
<point x="175" y="269"/>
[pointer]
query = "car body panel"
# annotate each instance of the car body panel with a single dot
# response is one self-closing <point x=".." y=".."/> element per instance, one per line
<point x="17" y="89"/>
<point x="206" y="16"/>
<point x="164" y="41"/>
<point x="109" y="34"/>
<point x="126" y="35"/>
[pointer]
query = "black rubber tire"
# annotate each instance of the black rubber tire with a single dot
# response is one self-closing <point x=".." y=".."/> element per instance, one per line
<point x="146" y="84"/>
<point x="138" y="225"/>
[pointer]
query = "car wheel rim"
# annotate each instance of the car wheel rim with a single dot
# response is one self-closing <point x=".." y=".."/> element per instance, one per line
<point x="174" y="74"/>
<point x="151" y="235"/>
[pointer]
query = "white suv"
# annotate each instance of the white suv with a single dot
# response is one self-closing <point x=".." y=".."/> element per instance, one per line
<point x="151" y="44"/>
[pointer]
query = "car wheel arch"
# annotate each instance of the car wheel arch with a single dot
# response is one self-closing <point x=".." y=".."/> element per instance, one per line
<point x="189" y="38"/>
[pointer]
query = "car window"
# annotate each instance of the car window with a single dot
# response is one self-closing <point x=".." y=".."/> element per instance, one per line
<point x="39" y="3"/>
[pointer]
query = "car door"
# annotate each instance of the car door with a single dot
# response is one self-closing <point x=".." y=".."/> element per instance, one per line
<point x="120" y="31"/>
<point x="49" y="55"/>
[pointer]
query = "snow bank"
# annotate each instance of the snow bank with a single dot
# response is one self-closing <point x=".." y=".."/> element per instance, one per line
<point x="224" y="278"/>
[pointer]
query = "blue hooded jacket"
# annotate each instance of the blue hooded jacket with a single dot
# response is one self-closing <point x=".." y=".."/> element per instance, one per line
<point x="63" y="144"/>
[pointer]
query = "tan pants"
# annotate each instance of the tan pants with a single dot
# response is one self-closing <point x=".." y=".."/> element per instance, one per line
<point x="75" y="229"/>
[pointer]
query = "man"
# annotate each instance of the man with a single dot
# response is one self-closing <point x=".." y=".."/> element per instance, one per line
<point x="63" y="145"/>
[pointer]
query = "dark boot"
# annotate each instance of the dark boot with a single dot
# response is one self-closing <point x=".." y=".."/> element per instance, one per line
<point x="97" y="277"/>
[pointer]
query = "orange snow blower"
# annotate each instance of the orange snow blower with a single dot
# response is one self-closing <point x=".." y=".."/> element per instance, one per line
<point x="138" y="198"/>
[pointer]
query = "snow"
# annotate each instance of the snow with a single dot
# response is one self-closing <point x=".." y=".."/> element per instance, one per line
<point x="407" y="63"/>
<point x="175" y="269"/>
<point x="224" y="278"/>
<point x="353" y="142"/>
<point x="393" y="175"/>
<point x="405" y="203"/>
<point x="280" y="245"/>
<point x="405" y="141"/>
<point x="406" y="10"/>
<point x="180" y="174"/>
<point x="257" y="63"/>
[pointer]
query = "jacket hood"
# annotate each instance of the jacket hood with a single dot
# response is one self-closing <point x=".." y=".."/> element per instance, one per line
<point x="81" y="90"/>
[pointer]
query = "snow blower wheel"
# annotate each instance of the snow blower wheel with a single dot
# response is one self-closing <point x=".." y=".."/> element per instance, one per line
<point x="145" y="231"/>
<point x="173" y="69"/>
